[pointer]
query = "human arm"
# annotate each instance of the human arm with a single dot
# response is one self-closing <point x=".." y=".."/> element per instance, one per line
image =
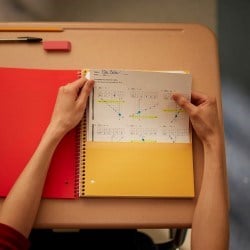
<point x="210" y="226"/>
<point x="20" y="207"/>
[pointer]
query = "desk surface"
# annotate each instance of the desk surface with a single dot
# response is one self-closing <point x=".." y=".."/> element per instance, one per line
<point x="130" y="46"/>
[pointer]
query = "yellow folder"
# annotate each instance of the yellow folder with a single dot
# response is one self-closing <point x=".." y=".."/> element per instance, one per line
<point x="137" y="170"/>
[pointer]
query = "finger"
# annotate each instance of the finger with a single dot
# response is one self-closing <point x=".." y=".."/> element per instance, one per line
<point x="79" y="83"/>
<point x="84" y="93"/>
<point x="198" y="98"/>
<point x="184" y="103"/>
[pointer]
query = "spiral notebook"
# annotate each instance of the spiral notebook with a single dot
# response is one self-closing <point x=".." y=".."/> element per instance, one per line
<point x="106" y="155"/>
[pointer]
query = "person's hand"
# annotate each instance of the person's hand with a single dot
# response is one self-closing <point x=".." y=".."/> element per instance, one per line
<point x="70" y="105"/>
<point x="203" y="114"/>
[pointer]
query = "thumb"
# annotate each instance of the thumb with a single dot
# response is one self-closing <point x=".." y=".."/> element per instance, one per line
<point x="184" y="103"/>
<point x="85" y="91"/>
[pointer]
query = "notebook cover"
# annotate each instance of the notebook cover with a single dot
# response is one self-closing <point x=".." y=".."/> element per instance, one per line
<point x="138" y="169"/>
<point x="27" y="98"/>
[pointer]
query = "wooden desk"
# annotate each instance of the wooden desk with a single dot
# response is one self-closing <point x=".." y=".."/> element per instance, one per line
<point x="130" y="46"/>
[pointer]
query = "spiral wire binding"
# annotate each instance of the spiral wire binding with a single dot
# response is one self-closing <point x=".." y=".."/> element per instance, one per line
<point x="80" y="152"/>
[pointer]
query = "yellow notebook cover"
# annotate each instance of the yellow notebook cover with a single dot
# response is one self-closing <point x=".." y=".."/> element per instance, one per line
<point x="138" y="169"/>
<point x="136" y="140"/>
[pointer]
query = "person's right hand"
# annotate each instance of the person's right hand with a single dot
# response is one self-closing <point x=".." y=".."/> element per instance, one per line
<point x="203" y="114"/>
<point x="70" y="105"/>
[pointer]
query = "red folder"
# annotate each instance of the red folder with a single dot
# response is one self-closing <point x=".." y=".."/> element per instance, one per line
<point x="27" y="98"/>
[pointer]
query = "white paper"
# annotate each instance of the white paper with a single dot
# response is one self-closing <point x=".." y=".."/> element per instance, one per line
<point x="137" y="106"/>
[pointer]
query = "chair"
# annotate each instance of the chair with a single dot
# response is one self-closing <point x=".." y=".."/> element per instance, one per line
<point x="89" y="239"/>
<point x="177" y="236"/>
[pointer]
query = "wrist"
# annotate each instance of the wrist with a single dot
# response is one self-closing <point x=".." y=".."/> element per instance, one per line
<point x="213" y="153"/>
<point x="53" y="134"/>
<point x="213" y="143"/>
<point x="212" y="137"/>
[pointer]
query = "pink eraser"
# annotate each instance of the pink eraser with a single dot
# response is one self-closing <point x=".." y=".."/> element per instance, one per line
<point x="57" y="45"/>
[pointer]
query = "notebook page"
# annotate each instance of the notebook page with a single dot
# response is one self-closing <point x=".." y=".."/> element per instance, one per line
<point x="137" y="106"/>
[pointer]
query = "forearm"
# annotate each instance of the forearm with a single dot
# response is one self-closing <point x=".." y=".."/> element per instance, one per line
<point x="210" y="227"/>
<point x="21" y="205"/>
